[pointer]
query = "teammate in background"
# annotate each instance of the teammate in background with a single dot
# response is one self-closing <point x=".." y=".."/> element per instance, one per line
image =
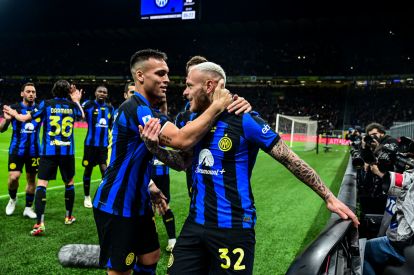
<point x="129" y="90"/>
<point x="160" y="176"/>
<point x="99" y="116"/>
<point x="218" y="236"/>
<point x="57" y="149"/>
<point x="23" y="151"/>
<point x="122" y="207"/>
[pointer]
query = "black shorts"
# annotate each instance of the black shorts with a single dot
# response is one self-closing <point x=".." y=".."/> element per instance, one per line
<point x="16" y="163"/>
<point x="49" y="164"/>
<point x="94" y="155"/>
<point x="123" y="239"/>
<point x="201" y="250"/>
<point x="163" y="183"/>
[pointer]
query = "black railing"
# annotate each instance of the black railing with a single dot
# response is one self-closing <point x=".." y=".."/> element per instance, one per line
<point x="336" y="249"/>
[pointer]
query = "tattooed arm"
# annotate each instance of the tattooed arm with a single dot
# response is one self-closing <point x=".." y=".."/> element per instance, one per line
<point x="282" y="153"/>
<point x="177" y="160"/>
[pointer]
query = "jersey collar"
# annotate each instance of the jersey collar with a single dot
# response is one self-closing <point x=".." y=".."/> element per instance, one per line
<point x="142" y="97"/>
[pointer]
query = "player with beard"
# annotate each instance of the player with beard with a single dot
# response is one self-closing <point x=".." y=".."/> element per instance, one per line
<point x="57" y="148"/>
<point x="218" y="236"/>
<point x="122" y="205"/>
<point x="23" y="151"/>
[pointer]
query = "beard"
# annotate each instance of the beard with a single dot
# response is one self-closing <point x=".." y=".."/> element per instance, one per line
<point x="202" y="102"/>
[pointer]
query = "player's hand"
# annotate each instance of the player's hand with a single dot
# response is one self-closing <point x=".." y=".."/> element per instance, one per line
<point x="338" y="207"/>
<point x="240" y="105"/>
<point x="149" y="133"/>
<point x="222" y="96"/>
<point x="9" y="111"/>
<point x="7" y="116"/>
<point x="158" y="199"/>
<point x="75" y="94"/>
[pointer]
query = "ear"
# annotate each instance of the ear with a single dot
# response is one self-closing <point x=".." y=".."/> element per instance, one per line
<point x="211" y="86"/>
<point x="21" y="93"/>
<point x="139" y="74"/>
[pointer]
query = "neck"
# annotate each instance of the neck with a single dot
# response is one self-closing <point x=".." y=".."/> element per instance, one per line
<point x="27" y="103"/>
<point x="151" y="100"/>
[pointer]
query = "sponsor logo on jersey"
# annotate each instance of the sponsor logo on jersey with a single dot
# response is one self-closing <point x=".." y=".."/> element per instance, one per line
<point x="265" y="128"/>
<point x="225" y="144"/>
<point x="102" y="123"/>
<point x="206" y="159"/>
<point x="28" y="128"/>
<point x="158" y="162"/>
<point x="59" y="143"/>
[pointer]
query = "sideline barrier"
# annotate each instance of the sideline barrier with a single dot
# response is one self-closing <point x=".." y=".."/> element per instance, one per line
<point x="336" y="249"/>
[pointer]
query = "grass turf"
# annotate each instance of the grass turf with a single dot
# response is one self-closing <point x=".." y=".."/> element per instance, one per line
<point x="289" y="215"/>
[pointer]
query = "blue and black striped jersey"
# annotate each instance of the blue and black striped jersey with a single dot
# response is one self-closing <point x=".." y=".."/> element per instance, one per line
<point x="58" y="115"/>
<point x="124" y="187"/>
<point x="99" y="118"/>
<point x="159" y="168"/>
<point x="222" y="166"/>
<point x="182" y="118"/>
<point x="25" y="137"/>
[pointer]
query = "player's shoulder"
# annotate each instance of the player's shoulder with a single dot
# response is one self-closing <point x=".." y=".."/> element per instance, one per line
<point x="87" y="103"/>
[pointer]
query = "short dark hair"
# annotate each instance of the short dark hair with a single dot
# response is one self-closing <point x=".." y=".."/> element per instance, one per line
<point x="144" y="55"/>
<point x="195" y="60"/>
<point x="61" y="88"/>
<point x="27" y="84"/>
<point x="373" y="126"/>
<point x="100" y="86"/>
<point x="130" y="83"/>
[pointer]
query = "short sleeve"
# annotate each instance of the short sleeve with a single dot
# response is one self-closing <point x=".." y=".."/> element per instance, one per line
<point x="258" y="131"/>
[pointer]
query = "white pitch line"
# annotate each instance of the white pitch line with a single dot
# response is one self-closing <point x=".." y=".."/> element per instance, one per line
<point x="49" y="188"/>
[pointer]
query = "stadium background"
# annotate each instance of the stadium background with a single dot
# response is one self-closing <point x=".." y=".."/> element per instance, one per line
<point x="344" y="66"/>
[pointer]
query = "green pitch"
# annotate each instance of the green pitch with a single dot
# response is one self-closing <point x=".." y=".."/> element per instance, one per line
<point x="289" y="215"/>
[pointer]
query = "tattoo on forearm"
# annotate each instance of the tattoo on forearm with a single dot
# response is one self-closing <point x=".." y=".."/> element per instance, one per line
<point x="165" y="139"/>
<point x="282" y="153"/>
<point x="177" y="160"/>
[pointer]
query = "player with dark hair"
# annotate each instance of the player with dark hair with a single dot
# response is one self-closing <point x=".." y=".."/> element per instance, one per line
<point x="129" y="90"/>
<point x="218" y="236"/>
<point x="57" y="149"/>
<point x="23" y="151"/>
<point x="99" y="116"/>
<point x="122" y="205"/>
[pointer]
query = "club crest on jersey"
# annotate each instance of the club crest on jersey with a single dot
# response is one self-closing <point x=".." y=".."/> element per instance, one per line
<point x="129" y="260"/>
<point x="161" y="3"/>
<point x="225" y="144"/>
